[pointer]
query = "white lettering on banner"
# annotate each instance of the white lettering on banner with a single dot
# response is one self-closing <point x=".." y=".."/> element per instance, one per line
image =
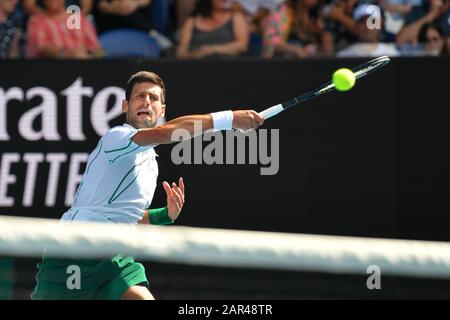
<point x="48" y="110"/>
<point x="6" y="178"/>
<point x="100" y="116"/>
<point x="74" y="94"/>
<point x="13" y="93"/>
<point x="49" y="116"/>
<point x="49" y="186"/>
<point x="74" y="175"/>
<point x="32" y="160"/>
<point x="55" y="160"/>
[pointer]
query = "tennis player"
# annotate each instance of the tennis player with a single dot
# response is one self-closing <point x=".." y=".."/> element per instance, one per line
<point x="118" y="186"/>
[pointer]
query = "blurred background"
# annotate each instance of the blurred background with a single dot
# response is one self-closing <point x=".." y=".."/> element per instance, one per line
<point x="371" y="162"/>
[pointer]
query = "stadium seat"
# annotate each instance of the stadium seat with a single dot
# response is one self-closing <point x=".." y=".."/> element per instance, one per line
<point x="123" y="43"/>
<point x="160" y="15"/>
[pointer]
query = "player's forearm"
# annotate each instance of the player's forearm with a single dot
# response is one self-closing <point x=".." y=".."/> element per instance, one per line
<point x="145" y="218"/>
<point x="188" y="126"/>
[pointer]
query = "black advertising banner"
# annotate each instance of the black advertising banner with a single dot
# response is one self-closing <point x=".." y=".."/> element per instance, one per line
<point x="369" y="162"/>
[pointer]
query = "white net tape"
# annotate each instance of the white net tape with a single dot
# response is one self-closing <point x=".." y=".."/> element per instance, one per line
<point x="226" y="248"/>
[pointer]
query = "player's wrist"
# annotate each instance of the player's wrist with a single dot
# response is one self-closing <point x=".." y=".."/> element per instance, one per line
<point x="159" y="216"/>
<point x="222" y="120"/>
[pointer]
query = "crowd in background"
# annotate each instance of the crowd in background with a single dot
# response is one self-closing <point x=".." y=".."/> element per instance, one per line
<point x="202" y="29"/>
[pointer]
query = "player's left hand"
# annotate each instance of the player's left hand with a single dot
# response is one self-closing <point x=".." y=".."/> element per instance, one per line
<point x="175" y="197"/>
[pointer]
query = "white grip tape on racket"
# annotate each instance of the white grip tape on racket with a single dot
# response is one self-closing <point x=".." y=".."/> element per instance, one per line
<point x="272" y="111"/>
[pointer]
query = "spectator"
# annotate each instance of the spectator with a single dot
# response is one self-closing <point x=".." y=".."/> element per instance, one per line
<point x="120" y="14"/>
<point x="10" y="29"/>
<point x="184" y="9"/>
<point x="294" y="29"/>
<point x="340" y="28"/>
<point x="395" y="12"/>
<point x="48" y="35"/>
<point x="213" y="31"/>
<point x="432" y="36"/>
<point x="37" y="6"/>
<point x="368" y="44"/>
<point x="255" y="12"/>
<point x="437" y="11"/>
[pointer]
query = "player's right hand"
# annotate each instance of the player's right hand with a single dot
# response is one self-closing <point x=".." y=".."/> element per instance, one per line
<point x="247" y="119"/>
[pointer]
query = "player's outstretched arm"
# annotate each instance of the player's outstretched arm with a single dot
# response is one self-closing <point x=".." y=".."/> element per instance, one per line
<point x="197" y="124"/>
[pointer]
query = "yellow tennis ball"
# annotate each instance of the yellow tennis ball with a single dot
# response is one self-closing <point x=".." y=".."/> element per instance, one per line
<point x="344" y="79"/>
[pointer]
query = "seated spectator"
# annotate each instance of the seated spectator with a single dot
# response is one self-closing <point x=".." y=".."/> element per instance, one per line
<point x="255" y="12"/>
<point x="122" y="14"/>
<point x="340" y="28"/>
<point x="295" y="29"/>
<point x="213" y="31"/>
<point x="395" y="12"/>
<point x="431" y="36"/>
<point x="127" y="26"/>
<point x="37" y="6"/>
<point x="434" y="11"/>
<point x="10" y="29"/>
<point x="368" y="44"/>
<point x="48" y="35"/>
<point x="184" y="9"/>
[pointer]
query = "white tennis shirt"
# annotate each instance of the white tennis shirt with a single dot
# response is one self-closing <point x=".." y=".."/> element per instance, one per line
<point x="119" y="182"/>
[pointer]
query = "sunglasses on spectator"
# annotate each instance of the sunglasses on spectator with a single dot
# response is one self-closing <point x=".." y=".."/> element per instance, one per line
<point x="433" y="39"/>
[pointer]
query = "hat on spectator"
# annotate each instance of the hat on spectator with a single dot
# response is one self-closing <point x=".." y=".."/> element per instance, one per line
<point x="365" y="10"/>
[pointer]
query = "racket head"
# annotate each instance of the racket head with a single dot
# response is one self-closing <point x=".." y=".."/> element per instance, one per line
<point x="370" y="66"/>
<point x="359" y="71"/>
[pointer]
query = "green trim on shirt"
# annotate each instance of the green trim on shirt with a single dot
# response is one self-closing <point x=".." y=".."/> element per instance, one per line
<point x="119" y="149"/>
<point x="89" y="166"/>
<point x="112" y="161"/>
<point x="112" y="199"/>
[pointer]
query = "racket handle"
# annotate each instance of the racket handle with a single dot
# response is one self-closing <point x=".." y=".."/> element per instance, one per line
<point x="272" y="111"/>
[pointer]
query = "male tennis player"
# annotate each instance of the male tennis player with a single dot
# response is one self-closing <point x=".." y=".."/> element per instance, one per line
<point x="118" y="186"/>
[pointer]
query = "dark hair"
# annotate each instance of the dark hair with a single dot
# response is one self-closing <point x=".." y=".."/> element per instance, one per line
<point x="432" y="25"/>
<point x="145" y="76"/>
<point x="304" y="19"/>
<point x="204" y="8"/>
<point x="422" y="37"/>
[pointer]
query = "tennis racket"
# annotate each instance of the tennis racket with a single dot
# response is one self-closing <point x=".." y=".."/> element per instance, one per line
<point x="359" y="71"/>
